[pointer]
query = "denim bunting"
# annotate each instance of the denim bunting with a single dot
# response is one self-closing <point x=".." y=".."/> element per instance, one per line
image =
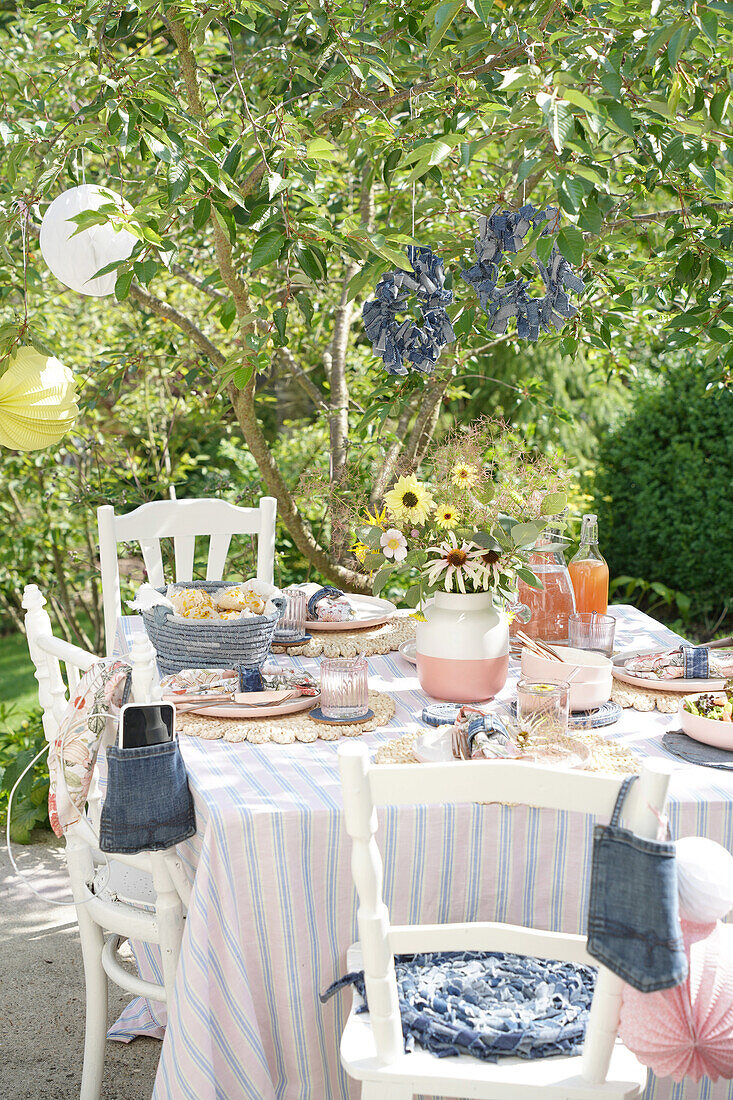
<point x="399" y="341"/>
<point x="488" y="1004"/>
<point x="504" y="233"/>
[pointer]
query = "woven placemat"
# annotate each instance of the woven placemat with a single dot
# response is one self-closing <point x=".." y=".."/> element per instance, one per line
<point x="349" y="643"/>
<point x="627" y="695"/>
<point x="605" y="756"/>
<point x="286" y="729"/>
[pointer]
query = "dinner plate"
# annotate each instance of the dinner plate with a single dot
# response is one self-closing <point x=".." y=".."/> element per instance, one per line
<point x="683" y="687"/>
<point x="409" y="651"/>
<point x="269" y="710"/>
<point x="370" y="611"/>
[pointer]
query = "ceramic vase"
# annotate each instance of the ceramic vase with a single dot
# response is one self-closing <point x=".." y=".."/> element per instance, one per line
<point x="462" y="648"/>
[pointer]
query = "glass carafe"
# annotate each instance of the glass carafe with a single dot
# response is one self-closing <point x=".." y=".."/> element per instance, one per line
<point x="550" y="605"/>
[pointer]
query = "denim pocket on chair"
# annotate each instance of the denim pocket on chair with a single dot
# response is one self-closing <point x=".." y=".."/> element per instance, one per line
<point x="633" y="911"/>
<point x="148" y="806"/>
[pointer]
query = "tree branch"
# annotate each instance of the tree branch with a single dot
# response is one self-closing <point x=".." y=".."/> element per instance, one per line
<point x="185" y="324"/>
<point x="211" y="291"/>
<point x="286" y="356"/>
<point x="434" y="396"/>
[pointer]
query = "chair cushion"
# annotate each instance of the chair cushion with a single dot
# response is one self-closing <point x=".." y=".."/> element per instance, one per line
<point x="488" y="1003"/>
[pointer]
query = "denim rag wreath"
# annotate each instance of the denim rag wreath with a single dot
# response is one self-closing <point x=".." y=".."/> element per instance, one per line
<point x="503" y="233"/>
<point x="396" y="341"/>
<point x="488" y="1004"/>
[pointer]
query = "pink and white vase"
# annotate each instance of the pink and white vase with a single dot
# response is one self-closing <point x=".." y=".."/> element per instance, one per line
<point x="462" y="648"/>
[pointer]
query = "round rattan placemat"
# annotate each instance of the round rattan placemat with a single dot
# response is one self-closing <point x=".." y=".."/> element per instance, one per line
<point x="349" y="643"/>
<point x="286" y="729"/>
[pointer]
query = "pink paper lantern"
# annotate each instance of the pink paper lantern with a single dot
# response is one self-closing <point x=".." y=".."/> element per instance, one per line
<point x="687" y="1031"/>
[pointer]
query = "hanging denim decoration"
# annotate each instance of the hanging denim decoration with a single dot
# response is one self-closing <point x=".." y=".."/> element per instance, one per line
<point x="505" y="233"/>
<point x="633" y="911"/>
<point x="148" y="806"/>
<point x="396" y="341"/>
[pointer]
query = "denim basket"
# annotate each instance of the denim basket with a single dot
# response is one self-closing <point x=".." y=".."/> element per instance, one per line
<point x="148" y="806"/>
<point x="203" y="643"/>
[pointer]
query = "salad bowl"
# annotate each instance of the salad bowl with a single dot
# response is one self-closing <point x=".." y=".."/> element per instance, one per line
<point x="707" y="717"/>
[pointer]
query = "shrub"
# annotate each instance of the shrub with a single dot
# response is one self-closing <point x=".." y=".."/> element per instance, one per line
<point x="663" y="490"/>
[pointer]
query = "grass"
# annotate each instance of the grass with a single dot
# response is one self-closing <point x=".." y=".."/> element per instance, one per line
<point x="17" y="683"/>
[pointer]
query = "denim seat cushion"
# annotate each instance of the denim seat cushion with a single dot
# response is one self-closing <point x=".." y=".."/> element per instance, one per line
<point x="488" y="1004"/>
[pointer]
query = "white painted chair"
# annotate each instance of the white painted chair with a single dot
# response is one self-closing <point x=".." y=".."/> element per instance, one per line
<point x="141" y="897"/>
<point x="372" y="1048"/>
<point x="182" y="521"/>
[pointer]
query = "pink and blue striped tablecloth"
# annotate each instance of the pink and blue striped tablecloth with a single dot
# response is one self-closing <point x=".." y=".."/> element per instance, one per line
<point x="273" y="907"/>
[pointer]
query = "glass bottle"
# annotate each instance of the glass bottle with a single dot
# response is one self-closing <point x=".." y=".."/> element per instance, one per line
<point x="589" y="571"/>
<point x="551" y="605"/>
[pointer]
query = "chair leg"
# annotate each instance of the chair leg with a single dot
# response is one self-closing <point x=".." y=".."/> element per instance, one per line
<point x="95" y="1034"/>
<point x="380" y="1090"/>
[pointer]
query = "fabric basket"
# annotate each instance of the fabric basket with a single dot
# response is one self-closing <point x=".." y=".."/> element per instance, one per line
<point x="191" y="643"/>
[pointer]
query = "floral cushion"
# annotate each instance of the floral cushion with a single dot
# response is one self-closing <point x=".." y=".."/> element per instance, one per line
<point x="488" y="1004"/>
<point x="73" y="752"/>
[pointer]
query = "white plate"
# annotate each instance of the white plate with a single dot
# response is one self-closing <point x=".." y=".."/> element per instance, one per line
<point x="409" y="651"/>
<point x="370" y="611"/>
<point x="684" y="687"/>
<point x="241" y="710"/>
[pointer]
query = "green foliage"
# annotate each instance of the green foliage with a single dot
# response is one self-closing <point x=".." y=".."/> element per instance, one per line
<point x="663" y="493"/>
<point x="19" y="744"/>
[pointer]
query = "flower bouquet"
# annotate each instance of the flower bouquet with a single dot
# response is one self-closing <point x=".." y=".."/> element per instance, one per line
<point x="467" y="525"/>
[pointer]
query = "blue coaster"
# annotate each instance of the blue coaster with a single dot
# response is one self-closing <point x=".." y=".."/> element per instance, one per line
<point x="318" y="716"/>
<point x="292" y="641"/>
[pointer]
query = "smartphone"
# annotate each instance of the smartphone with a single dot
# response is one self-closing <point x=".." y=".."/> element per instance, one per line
<point x="144" y="724"/>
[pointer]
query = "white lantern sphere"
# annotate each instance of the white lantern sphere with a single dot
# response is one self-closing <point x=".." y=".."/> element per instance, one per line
<point x="704" y="879"/>
<point x="75" y="259"/>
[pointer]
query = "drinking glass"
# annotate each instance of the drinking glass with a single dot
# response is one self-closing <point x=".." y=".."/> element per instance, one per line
<point x="344" y="692"/>
<point x="292" y="624"/>
<point x="542" y="711"/>
<point x="589" y="630"/>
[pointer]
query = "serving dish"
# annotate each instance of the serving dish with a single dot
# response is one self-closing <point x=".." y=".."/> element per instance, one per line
<point x="711" y="731"/>
<point x="591" y="681"/>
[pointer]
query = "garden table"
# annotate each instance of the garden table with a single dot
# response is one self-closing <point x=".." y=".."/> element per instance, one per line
<point x="273" y="908"/>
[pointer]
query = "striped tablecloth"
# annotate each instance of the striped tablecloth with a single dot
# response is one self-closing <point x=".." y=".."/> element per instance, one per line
<point x="273" y="907"/>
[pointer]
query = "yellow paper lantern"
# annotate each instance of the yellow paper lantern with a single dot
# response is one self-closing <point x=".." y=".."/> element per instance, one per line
<point x="37" y="401"/>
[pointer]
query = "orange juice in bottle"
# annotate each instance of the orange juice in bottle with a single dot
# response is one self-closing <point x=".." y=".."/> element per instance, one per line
<point x="588" y="570"/>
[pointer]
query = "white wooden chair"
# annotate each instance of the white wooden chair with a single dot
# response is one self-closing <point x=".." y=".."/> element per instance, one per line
<point x="154" y="885"/>
<point x="181" y="520"/>
<point x="372" y="1048"/>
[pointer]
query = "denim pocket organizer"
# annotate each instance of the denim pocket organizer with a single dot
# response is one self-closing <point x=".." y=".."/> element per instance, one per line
<point x="148" y="806"/>
<point x="633" y="912"/>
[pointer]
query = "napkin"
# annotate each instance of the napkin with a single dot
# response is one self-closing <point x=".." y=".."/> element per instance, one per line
<point x="683" y="663"/>
<point x="327" y="604"/>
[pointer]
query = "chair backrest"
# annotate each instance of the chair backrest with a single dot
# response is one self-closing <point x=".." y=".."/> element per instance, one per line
<point x="182" y="521"/>
<point x="366" y="786"/>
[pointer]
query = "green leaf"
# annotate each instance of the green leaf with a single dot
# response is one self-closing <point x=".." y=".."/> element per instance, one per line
<point x="483" y="9"/>
<point x="320" y="149"/>
<point x="570" y="243"/>
<point x="122" y="286"/>
<point x="313" y="262"/>
<point x="179" y="177"/>
<point x="442" y="19"/>
<point x="591" y="218"/>
<point x="528" y="577"/>
<point x="543" y="248"/>
<point x="280" y="317"/>
<point x="391" y="162"/>
<point x="553" y="504"/>
<point x="560" y="123"/>
<point x="334" y="75"/>
<point x="570" y="193"/>
<point x="267" y="248"/>
<point x="621" y="115"/>
<point x="201" y="212"/>
<point x="525" y="534"/>
<point x="381" y="578"/>
<point x="676" y="45"/>
<point x="718" y="273"/>
<point x="719" y="105"/>
<point x="275" y="185"/>
<point x="611" y="83"/>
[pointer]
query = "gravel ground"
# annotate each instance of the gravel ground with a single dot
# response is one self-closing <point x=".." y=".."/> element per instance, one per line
<point x="42" y="992"/>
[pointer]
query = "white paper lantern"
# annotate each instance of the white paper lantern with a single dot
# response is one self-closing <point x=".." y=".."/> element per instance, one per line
<point x="704" y="879"/>
<point x="37" y="401"/>
<point x="75" y="259"/>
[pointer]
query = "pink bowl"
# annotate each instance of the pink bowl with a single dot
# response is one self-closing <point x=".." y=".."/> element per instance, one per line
<point x="591" y="681"/>
<point x="708" y="730"/>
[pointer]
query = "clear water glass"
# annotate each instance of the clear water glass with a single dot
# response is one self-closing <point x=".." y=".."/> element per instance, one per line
<point x="590" y="630"/>
<point x="292" y="624"/>
<point x="542" y="711"/>
<point x="344" y="689"/>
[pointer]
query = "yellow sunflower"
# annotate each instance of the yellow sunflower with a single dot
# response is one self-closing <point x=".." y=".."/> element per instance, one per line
<point x="410" y="501"/>
<point x="464" y="475"/>
<point x="447" y="516"/>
